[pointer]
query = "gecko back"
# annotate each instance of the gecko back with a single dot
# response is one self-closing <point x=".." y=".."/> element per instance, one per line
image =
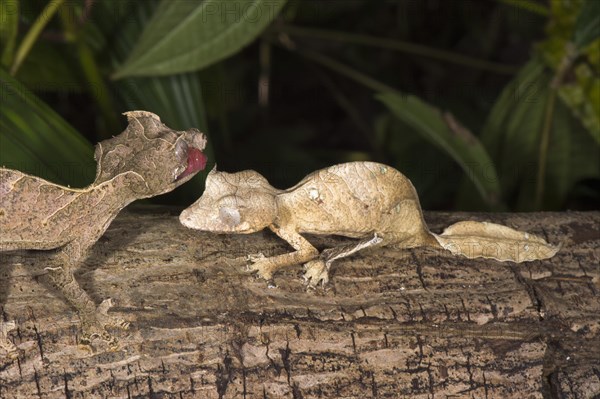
<point x="17" y="217"/>
<point x="355" y="199"/>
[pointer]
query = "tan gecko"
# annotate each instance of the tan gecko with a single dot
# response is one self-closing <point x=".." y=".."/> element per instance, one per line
<point x="365" y="200"/>
<point x="147" y="159"/>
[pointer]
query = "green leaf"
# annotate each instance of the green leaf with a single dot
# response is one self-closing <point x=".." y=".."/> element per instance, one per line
<point x="587" y="27"/>
<point x="456" y="141"/>
<point x="186" y="36"/>
<point x="9" y="28"/>
<point x="513" y="132"/>
<point x="36" y="140"/>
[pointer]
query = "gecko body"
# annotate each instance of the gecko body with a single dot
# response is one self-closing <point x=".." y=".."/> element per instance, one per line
<point x="365" y="200"/>
<point x="147" y="159"/>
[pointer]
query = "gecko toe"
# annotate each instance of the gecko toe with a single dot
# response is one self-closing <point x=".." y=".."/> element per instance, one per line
<point x="94" y="327"/>
<point x="315" y="272"/>
<point x="262" y="272"/>
<point x="255" y="257"/>
<point x="107" y="320"/>
<point x="260" y="266"/>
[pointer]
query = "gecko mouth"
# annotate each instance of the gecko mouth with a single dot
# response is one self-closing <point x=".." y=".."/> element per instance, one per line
<point x="196" y="161"/>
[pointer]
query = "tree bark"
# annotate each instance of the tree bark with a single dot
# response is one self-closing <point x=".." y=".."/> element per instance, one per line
<point x="390" y="324"/>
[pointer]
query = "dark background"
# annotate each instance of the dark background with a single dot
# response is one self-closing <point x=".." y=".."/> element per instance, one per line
<point x="286" y="105"/>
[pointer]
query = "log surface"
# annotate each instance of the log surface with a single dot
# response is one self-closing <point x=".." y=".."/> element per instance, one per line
<point x="391" y="323"/>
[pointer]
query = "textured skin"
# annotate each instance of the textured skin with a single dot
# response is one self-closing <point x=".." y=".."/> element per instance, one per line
<point x="365" y="200"/>
<point x="145" y="160"/>
<point x="359" y="200"/>
<point x="355" y="200"/>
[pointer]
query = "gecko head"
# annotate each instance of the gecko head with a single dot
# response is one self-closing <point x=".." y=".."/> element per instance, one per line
<point x="160" y="158"/>
<point x="242" y="203"/>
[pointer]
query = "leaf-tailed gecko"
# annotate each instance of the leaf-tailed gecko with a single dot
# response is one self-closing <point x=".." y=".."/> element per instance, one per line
<point x="145" y="160"/>
<point x="365" y="200"/>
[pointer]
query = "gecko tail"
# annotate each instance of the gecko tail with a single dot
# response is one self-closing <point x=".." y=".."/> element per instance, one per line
<point x="494" y="241"/>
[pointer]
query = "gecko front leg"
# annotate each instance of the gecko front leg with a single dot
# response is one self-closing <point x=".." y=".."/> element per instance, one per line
<point x="304" y="251"/>
<point x="94" y="319"/>
<point x="317" y="271"/>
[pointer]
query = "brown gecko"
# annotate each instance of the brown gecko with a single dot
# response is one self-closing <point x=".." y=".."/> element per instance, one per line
<point x="365" y="200"/>
<point x="147" y="159"/>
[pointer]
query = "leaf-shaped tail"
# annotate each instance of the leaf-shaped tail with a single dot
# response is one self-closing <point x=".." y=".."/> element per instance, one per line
<point x="494" y="241"/>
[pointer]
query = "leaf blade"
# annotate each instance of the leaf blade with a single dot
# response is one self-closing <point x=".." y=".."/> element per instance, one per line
<point x="36" y="140"/>
<point x="187" y="36"/>
<point x="456" y="141"/>
<point x="587" y="27"/>
<point x="512" y="135"/>
<point x="9" y="29"/>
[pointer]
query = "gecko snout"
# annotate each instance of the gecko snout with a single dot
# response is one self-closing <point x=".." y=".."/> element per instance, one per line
<point x="186" y="218"/>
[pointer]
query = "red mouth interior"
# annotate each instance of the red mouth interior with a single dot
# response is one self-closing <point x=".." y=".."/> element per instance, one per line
<point x="196" y="161"/>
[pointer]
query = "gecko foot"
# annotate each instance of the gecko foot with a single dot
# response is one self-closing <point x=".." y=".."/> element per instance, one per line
<point x="260" y="265"/>
<point x="110" y="321"/>
<point x="94" y="325"/>
<point x="315" y="272"/>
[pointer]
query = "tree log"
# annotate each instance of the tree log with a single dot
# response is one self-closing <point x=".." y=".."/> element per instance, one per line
<point x="390" y="324"/>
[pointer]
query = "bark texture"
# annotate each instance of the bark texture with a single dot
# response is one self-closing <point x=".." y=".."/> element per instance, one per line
<point x="391" y="324"/>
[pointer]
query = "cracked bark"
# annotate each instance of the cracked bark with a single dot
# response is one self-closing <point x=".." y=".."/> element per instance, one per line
<point x="418" y="323"/>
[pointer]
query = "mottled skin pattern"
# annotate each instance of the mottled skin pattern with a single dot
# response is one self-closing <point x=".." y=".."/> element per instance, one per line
<point x="365" y="200"/>
<point x="147" y="159"/>
<point x="371" y="204"/>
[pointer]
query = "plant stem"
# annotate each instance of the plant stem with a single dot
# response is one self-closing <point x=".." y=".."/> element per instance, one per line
<point x="565" y="65"/>
<point x="9" y="30"/>
<point x="35" y="30"/>
<point x="543" y="153"/>
<point x="397" y="45"/>
<point x="535" y="8"/>
<point x="97" y="87"/>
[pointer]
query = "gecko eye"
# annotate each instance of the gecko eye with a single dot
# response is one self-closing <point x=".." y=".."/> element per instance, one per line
<point x="230" y="216"/>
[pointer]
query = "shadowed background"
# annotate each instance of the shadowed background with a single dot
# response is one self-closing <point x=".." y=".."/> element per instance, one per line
<point x="484" y="105"/>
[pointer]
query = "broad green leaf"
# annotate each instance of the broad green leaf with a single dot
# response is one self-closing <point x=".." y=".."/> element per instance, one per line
<point x="456" y="141"/>
<point x="587" y="27"/>
<point x="512" y="132"/>
<point x="9" y="28"/>
<point x="572" y="156"/>
<point x="512" y="135"/>
<point x="186" y="36"/>
<point x="36" y="140"/>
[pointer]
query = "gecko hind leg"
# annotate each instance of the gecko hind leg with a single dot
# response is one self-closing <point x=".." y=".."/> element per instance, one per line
<point x="317" y="271"/>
